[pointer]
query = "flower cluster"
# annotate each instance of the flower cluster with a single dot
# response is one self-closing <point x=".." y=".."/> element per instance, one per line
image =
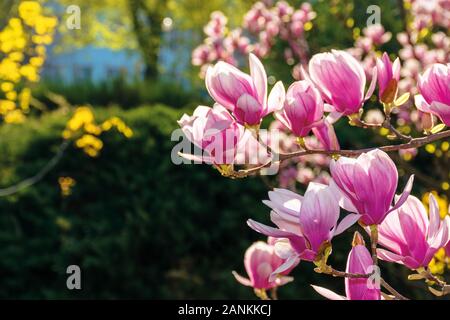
<point x="264" y="24"/>
<point x="66" y="184"/>
<point x="83" y="128"/>
<point x="424" y="43"/>
<point x="335" y="86"/>
<point x="366" y="45"/>
<point x="23" y="44"/>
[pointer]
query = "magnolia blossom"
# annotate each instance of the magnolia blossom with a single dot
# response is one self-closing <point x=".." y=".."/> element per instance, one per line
<point x="325" y="133"/>
<point x="341" y="80"/>
<point x="303" y="108"/>
<point x="244" y="95"/>
<point x="368" y="184"/>
<point x="215" y="132"/>
<point x="260" y="261"/>
<point x="377" y="34"/>
<point x="411" y="237"/>
<point x="359" y="261"/>
<point x="308" y="223"/>
<point x="434" y="86"/>
<point x="388" y="75"/>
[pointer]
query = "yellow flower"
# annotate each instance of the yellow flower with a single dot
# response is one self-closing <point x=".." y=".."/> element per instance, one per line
<point x="41" y="50"/>
<point x="66" y="184"/>
<point x="9" y="70"/>
<point x="24" y="99"/>
<point x="29" y="12"/>
<point x="442" y="202"/>
<point x="21" y="58"/>
<point x="7" y="86"/>
<point x="6" y="106"/>
<point x="84" y="128"/>
<point x="439" y="262"/>
<point x="15" y="23"/>
<point x="16" y="56"/>
<point x="15" y="116"/>
<point x="90" y="144"/>
<point x="36" y="62"/>
<point x="29" y="72"/>
<point x="12" y="95"/>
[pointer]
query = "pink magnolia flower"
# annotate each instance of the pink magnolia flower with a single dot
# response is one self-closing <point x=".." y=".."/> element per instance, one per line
<point x="214" y="131"/>
<point x="368" y="185"/>
<point x="303" y="108"/>
<point x="410" y="236"/>
<point x="309" y="223"/>
<point x="434" y="86"/>
<point x="388" y="75"/>
<point x="244" y="95"/>
<point x="377" y="34"/>
<point x="359" y="261"/>
<point x="260" y="261"/>
<point x="216" y="26"/>
<point x="341" y="80"/>
<point x="325" y="133"/>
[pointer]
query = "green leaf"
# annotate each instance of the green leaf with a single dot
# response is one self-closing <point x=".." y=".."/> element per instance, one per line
<point x="437" y="128"/>
<point x="402" y="99"/>
<point x="391" y="137"/>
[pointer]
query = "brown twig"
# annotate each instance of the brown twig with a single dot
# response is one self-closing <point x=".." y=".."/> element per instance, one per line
<point x="413" y="143"/>
<point x="386" y="124"/>
<point x="336" y="273"/>
<point x="425" y="273"/>
<point x="38" y="176"/>
<point x="273" y="293"/>
<point x="394" y="292"/>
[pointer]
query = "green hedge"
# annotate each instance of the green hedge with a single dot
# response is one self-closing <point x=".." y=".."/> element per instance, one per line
<point x="138" y="226"/>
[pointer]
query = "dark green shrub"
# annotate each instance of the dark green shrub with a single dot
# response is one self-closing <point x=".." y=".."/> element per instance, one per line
<point x="137" y="225"/>
<point x="127" y="94"/>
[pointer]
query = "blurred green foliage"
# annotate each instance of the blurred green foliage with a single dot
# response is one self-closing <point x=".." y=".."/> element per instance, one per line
<point x="137" y="225"/>
<point x="118" y="91"/>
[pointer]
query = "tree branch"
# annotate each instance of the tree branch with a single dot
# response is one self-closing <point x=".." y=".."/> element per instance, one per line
<point x="336" y="273"/>
<point x="38" y="176"/>
<point x="414" y="143"/>
<point x="394" y="292"/>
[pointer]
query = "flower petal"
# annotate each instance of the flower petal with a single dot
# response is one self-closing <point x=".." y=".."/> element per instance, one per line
<point x="328" y="293"/>
<point x="268" y="231"/>
<point x="259" y="78"/>
<point x="288" y="264"/>
<point x="372" y="84"/>
<point x="389" y="256"/>
<point x="276" y="98"/>
<point x="242" y="280"/>
<point x="435" y="218"/>
<point x="405" y="194"/>
<point x="346" y="223"/>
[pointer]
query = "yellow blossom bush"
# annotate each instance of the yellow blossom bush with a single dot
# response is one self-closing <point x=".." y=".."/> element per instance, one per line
<point x="22" y="55"/>
<point x="83" y="128"/>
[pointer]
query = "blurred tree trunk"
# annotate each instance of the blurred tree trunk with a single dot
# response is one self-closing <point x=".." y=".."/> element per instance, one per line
<point x="147" y="17"/>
